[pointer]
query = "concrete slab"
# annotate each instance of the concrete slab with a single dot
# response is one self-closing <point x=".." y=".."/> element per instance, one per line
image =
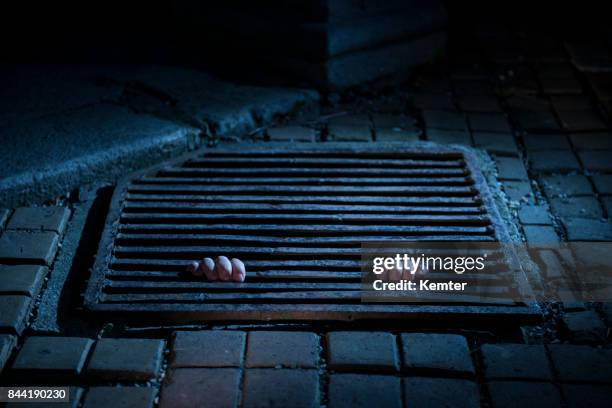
<point x="202" y="100"/>
<point x="65" y="126"/>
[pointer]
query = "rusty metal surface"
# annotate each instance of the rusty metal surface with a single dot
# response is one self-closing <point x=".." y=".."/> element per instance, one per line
<point x="296" y="216"/>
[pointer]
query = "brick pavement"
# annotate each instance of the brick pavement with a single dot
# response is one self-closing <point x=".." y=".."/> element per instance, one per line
<point x="495" y="374"/>
<point x="546" y="128"/>
<point x="434" y="368"/>
<point x="28" y="244"/>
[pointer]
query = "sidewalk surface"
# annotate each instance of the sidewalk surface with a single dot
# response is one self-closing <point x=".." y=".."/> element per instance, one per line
<point x="66" y="126"/>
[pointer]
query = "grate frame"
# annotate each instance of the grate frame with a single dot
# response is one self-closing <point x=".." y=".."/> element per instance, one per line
<point x="201" y="312"/>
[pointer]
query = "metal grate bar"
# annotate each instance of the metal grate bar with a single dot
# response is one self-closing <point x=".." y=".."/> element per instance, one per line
<point x="351" y="181"/>
<point x="297" y="218"/>
<point x="181" y="207"/>
<point x="321" y="172"/>
<point x="323" y="161"/>
<point x="357" y="199"/>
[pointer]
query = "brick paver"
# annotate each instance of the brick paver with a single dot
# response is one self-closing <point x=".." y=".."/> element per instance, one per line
<point x="603" y="183"/>
<point x="534" y="215"/>
<point x="556" y="70"/>
<point x="208" y="348"/>
<point x="515" y="361"/>
<point x="583" y="207"/>
<point x="353" y="119"/>
<point x="265" y="387"/>
<point x="361" y="350"/>
<point x="473" y="87"/>
<point x="126" y="359"/>
<point x="566" y="185"/>
<point x="581" y="121"/>
<point x="396" y="135"/>
<point x="587" y="395"/>
<point x="551" y="265"/>
<point x="291" y="134"/>
<point x="596" y="160"/>
<point x="592" y="141"/>
<point x="489" y="122"/>
<point x="500" y="143"/>
<point x="43" y="355"/>
<point x="282" y="349"/>
<point x="523" y="394"/>
<point x="556" y="86"/>
<point x="201" y="388"/>
<point x="552" y="161"/>
<point x="7" y="343"/>
<point x="443" y="119"/>
<point x="389" y="121"/>
<point x="445" y="352"/>
<point x="591" y="258"/>
<point x="510" y="168"/>
<point x="28" y="247"/>
<point x="585" y="326"/>
<point x="571" y="102"/>
<point x="14" y="311"/>
<point x="430" y="100"/>
<point x="4" y="214"/>
<point x="350" y="128"/>
<point x="479" y="103"/>
<point x="537" y="234"/>
<point x="518" y="191"/>
<point x="534" y="142"/>
<point x="364" y="390"/>
<point x="607" y="313"/>
<point x="119" y="397"/>
<point x="40" y="219"/>
<point x="422" y="392"/>
<point x="585" y="229"/>
<point x="581" y="363"/>
<point x="445" y="136"/>
<point x="349" y="133"/>
<point x="537" y="121"/>
<point x="607" y="205"/>
<point x="21" y="279"/>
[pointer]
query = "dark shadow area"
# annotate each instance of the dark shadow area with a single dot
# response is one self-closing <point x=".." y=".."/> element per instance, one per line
<point x="71" y="297"/>
<point x="325" y="42"/>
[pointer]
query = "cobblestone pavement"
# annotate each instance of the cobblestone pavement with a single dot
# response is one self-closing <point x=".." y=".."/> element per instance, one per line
<point x="540" y="108"/>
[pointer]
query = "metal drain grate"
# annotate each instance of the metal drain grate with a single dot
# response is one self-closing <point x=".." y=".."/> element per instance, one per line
<point x="297" y="218"/>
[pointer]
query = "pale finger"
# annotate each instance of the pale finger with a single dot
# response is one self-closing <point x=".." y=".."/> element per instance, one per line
<point x="238" y="270"/>
<point x="208" y="269"/>
<point x="223" y="267"/>
<point x="194" y="269"/>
